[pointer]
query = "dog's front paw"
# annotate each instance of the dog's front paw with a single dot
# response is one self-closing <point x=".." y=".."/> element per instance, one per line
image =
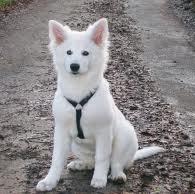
<point x="98" y="183"/>
<point x="118" y="178"/>
<point x="45" y="185"/>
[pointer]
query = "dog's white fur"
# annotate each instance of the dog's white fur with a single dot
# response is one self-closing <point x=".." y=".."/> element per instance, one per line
<point x="110" y="140"/>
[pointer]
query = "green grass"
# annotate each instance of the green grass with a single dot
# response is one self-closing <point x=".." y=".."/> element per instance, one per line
<point x="5" y="3"/>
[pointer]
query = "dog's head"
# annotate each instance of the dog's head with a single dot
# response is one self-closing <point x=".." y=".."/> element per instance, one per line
<point x="78" y="53"/>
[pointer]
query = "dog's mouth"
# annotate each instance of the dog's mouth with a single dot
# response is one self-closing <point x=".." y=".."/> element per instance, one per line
<point x="75" y="73"/>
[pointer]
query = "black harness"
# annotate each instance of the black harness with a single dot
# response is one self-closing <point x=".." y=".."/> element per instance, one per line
<point x="78" y="107"/>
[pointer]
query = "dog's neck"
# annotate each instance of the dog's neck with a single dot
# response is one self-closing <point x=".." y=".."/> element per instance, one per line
<point x="78" y="87"/>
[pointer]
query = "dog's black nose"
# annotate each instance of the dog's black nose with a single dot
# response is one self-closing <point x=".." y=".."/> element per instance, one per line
<point x="74" y="67"/>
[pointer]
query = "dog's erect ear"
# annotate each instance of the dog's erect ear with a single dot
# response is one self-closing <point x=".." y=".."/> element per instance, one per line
<point x="56" y="31"/>
<point x="99" y="31"/>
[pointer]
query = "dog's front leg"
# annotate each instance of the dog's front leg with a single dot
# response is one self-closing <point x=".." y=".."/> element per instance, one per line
<point x="102" y="160"/>
<point x="60" y="153"/>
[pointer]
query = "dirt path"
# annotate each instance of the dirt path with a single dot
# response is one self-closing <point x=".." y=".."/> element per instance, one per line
<point x="27" y="86"/>
<point x="168" y="51"/>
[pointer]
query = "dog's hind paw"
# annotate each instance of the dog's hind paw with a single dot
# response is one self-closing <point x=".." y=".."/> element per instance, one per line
<point x="45" y="185"/>
<point x="98" y="183"/>
<point x="80" y="165"/>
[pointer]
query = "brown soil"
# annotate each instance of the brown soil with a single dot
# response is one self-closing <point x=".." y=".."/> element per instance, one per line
<point x="28" y="83"/>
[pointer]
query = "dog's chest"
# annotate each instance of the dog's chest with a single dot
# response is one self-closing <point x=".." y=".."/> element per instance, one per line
<point x="88" y="121"/>
<point x="93" y="114"/>
<point x="96" y="114"/>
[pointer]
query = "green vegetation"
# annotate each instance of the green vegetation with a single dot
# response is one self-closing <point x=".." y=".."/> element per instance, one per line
<point x="5" y="3"/>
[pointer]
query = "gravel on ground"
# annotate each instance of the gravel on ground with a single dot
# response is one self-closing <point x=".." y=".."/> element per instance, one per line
<point x="185" y="11"/>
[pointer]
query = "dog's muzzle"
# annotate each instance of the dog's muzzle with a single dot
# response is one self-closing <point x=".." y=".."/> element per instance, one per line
<point x="74" y="68"/>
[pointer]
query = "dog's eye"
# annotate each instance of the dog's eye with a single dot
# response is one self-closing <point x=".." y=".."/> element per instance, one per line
<point x="85" y="53"/>
<point x="69" y="52"/>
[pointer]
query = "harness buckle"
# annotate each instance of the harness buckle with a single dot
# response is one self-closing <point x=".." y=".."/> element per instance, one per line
<point x="78" y="107"/>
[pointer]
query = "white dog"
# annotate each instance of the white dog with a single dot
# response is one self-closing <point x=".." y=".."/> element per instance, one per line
<point x="87" y="120"/>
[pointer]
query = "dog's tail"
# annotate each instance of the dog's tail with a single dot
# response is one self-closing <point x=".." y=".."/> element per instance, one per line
<point x="147" y="151"/>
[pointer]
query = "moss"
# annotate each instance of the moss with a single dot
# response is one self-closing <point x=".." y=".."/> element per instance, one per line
<point x="5" y="3"/>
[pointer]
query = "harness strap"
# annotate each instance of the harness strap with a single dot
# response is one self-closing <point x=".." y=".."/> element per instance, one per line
<point x="78" y="107"/>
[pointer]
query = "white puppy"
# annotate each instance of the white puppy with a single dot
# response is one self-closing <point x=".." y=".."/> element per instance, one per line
<point x="96" y="131"/>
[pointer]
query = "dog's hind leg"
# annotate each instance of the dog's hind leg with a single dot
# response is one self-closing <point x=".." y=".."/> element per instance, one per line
<point x="124" y="149"/>
<point x="85" y="157"/>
